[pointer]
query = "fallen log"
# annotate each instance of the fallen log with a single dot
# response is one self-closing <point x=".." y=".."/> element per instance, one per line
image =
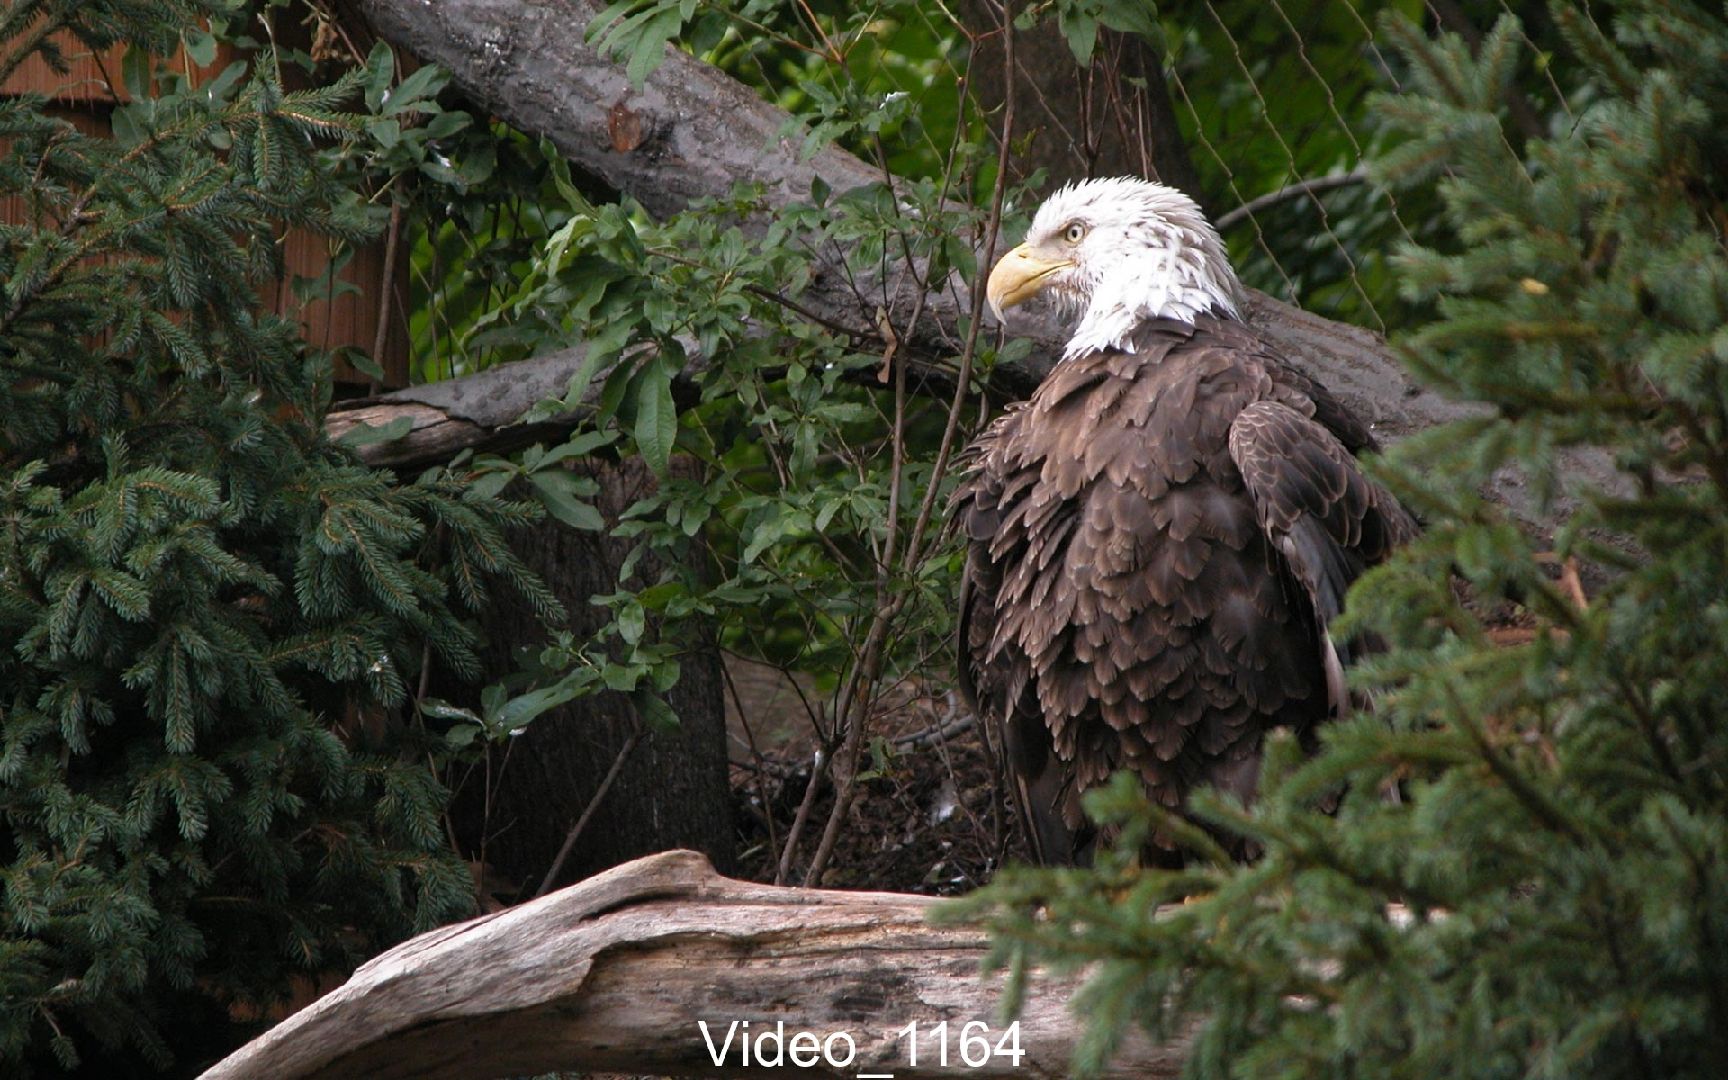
<point x="622" y="972"/>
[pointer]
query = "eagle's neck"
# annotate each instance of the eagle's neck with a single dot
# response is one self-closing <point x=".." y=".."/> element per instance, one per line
<point x="1156" y="281"/>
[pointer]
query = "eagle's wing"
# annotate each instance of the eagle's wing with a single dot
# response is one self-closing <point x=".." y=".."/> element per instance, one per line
<point x="1000" y="692"/>
<point x="1328" y="520"/>
<point x="997" y="684"/>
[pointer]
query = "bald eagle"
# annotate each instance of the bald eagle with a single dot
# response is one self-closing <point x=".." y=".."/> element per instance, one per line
<point x="1159" y="539"/>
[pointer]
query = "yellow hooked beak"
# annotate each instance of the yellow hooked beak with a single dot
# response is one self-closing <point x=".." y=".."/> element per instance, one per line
<point x="1019" y="276"/>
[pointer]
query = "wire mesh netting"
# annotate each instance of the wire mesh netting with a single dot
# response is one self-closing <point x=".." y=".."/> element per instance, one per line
<point x="1275" y="105"/>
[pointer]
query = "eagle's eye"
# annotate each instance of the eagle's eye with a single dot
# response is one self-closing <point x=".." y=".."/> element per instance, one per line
<point x="1074" y="233"/>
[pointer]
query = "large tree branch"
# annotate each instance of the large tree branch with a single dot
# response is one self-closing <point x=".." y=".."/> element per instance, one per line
<point x="619" y="971"/>
<point x="691" y="132"/>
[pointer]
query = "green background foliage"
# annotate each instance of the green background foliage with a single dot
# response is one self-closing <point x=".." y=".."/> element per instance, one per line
<point x="213" y="616"/>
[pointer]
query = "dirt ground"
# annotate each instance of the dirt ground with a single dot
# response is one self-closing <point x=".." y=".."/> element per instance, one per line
<point x="930" y="817"/>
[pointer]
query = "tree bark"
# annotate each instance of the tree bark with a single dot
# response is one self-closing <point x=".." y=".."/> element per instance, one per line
<point x="617" y="973"/>
<point x="689" y="133"/>
<point x="1112" y="117"/>
<point x="669" y="789"/>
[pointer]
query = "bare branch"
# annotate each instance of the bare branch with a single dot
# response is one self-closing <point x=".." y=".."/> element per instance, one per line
<point x="1310" y="188"/>
<point x="587" y="815"/>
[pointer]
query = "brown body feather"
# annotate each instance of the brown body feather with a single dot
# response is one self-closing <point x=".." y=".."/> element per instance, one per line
<point x="1158" y="539"/>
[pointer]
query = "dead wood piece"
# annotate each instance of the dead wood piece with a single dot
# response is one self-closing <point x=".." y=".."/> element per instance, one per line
<point x="479" y="412"/>
<point x="620" y="971"/>
<point x="432" y="434"/>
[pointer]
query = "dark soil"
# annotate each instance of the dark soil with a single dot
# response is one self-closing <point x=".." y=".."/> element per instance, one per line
<point x="929" y="818"/>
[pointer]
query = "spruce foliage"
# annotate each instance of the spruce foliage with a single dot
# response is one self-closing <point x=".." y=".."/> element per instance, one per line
<point x="1549" y="895"/>
<point x="197" y="590"/>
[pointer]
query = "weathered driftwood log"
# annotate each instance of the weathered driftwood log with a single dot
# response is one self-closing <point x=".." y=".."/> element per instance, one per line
<point x="621" y="971"/>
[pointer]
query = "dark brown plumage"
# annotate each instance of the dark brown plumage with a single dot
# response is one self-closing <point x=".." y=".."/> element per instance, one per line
<point x="1158" y="541"/>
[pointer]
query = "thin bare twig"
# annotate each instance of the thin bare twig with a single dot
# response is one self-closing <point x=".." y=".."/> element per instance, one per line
<point x="866" y="666"/>
<point x="392" y="243"/>
<point x="854" y="710"/>
<point x="938" y="734"/>
<point x="755" y="754"/>
<point x="1300" y="189"/>
<point x="551" y="877"/>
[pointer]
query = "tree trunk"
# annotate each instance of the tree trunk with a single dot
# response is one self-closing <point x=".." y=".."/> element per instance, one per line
<point x="671" y="790"/>
<point x="1112" y="117"/>
<point x="618" y="973"/>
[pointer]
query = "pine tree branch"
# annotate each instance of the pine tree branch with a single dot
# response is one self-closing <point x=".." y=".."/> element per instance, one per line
<point x="20" y="49"/>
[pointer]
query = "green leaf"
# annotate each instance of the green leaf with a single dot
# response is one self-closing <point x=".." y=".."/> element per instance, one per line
<point x="666" y="675"/>
<point x="219" y="88"/>
<point x="135" y="73"/>
<point x="364" y="364"/>
<point x="521" y="710"/>
<point x="577" y="388"/>
<point x="488" y="483"/>
<point x="656" y="427"/>
<point x="1132" y="17"/>
<point x="200" y="45"/>
<point x="492" y="699"/>
<point x="439" y="709"/>
<point x="380" y="70"/>
<point x="386" y="132"/>
<point x="448" y="123"/>
<point x="618" y="389"/>
<point x="632" y="622"/>
<point x="555" y="491"/>
<point x="582" y="444"/>
<point x="621" y="677"/>
<point x="650" y="47"/>
<point x="369" y="434"/>
<point x="654" y="711"/>
<point x="414" y="91"/>
<point x="1080" y="28"/>
<point x="656" y="597"/>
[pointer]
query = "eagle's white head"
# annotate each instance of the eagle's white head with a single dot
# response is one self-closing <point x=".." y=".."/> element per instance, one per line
<point x="1120" y="252"/>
